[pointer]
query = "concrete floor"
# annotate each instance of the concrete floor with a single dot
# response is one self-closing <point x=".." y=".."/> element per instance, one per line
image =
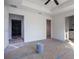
<point x="53" y="49"/>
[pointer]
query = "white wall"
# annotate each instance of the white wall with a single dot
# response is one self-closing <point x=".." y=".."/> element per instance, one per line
<point x="6" y="42"/>
<point x="34" y="24"/>
<point x="59" y="25"/>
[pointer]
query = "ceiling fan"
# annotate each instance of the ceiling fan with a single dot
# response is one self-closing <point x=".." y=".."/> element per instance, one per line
<point x="56" y="2"/>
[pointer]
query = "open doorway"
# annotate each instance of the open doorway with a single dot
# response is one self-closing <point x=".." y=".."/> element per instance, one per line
<point x="69" y="28"/>
<point x="16" y="28"/>
<point x="48" y="30"/>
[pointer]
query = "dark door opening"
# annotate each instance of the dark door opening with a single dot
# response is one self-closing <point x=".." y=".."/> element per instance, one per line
<point x="16" y="28"/>
<point x="48" y="29"/>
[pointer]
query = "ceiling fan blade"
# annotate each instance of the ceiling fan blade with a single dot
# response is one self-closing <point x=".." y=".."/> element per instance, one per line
<point x="56" y="2"/>
<point x="47" y="2"/>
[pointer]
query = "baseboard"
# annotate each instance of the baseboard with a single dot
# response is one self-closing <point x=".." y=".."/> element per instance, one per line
<point x="58" y="40"/>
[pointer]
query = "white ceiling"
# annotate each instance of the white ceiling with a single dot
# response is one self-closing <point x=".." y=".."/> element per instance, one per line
<point x="39" y="4"/>
<point x="50" y="5"/>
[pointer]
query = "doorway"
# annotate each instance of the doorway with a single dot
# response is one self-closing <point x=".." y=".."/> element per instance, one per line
<point x="16" y="28"/>
<point x="48" y="29"/>
<point x="69" y="28"/>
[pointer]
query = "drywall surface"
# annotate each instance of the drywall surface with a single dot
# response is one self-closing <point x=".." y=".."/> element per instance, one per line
<point x="6" y="42"/>
<point x="59" y="25"/>
<point x="34" y="24"/>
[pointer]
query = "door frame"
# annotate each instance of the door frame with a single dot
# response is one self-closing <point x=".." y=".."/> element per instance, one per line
<point x="10" y="25"/>
<point x="67" y="34"/>
<point x="66" y="28"/>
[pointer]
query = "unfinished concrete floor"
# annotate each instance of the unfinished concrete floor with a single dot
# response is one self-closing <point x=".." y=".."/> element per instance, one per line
<point x="53" y="49"/>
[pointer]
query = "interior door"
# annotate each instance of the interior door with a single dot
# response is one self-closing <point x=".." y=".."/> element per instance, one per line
<point x="48" y="29"/>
